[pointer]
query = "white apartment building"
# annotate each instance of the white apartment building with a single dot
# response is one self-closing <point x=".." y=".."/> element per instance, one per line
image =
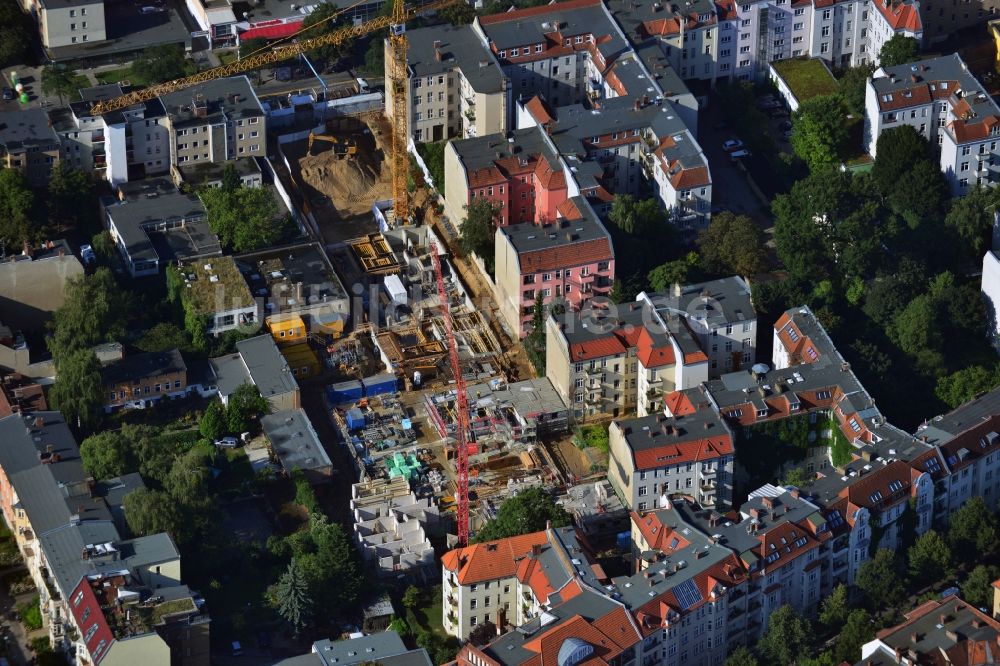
<point x="66" y="22"/>
<point x="945" y="103"/>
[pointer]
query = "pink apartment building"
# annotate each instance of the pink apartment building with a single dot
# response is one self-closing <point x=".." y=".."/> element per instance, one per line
<point x="571" y="258"/>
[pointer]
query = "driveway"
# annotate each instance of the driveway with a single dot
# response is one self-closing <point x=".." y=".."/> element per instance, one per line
<point x="731" y="189"/>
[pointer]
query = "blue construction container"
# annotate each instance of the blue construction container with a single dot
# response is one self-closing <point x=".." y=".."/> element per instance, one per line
<point x="355" y="419"/>
<point x="342" y="392"/>
<point x="378" y="384"/>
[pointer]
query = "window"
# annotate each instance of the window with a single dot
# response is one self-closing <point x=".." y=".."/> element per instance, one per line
<point x="826" y="14"/>
<point x="824" y="47"/>
<point x="797" y="26"/>
<point x="825" y="31"/>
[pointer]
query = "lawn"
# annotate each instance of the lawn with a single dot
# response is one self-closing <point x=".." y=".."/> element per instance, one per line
<point x="31" y="614"/>
<point x="116" y="75"/>
<point x="806" y="78"/>
<point x="226" y="57"/>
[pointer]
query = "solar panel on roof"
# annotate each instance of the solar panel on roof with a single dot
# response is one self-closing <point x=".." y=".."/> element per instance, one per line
<point x="687" y="594"/>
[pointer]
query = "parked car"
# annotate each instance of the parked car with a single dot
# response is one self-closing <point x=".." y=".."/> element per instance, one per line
<point x="729" y="145"/>
<point x="777" y="112"/>
<point x="785" y="125"/>
<point x="8" y="94"/>
<point x="768" y="102"/>
<point x="87" y="254"/>
<point x="227" y="443"/>
<point x="735" y="155"/>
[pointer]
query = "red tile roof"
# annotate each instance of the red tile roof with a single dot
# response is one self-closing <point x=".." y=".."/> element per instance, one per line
<point x="611" y="345"/>
<point x="900" y="15"/>
<point x="536" y="11"/>
<point x="493" y="559"/>
<point x="687" y="178"/>
<point x="679" y="404"/>
<point x="965" y="131"/>
<point x="538" y="110"/>
<point x="695" y="450"/>
<point x="566" y="256"/>
<point x="658" y="535"/>
<point x="876" y="489"/>
<point x="651" y="355"/>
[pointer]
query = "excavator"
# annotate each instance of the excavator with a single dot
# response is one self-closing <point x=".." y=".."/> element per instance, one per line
<point x="341" y="147"/>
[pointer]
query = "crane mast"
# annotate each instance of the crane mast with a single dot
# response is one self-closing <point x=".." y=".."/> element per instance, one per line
<point x="462" y="404"/>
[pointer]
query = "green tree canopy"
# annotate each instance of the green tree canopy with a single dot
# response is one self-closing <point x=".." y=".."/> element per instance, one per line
<point x="972" y="531"/>
<point x="478" y="231"/>
<point x="244" y="219"/>
<point x="679" y="271"/>
<point x="879" y="579"/>
<point x="852" y="87"/>
<point x="151" y="512"/>
<point x="245" y="405"/>
<point x="165" y="62"/>
<point x="458" y="13"/>
<point x="930" y="558"/>
<point x="963" y="385"/>
<point x="413" y="597"/>
<point x="528" y="511"/>
<point x="899" y="50"/>
<point x="326" y="18"/>
<point x="978" y="587"/>
<point x="970" y="218"/>
<point x="94" y="311"/>
<point x="16" y="202"/>
<point x="733" y="244"/>
<point x="788" y="637"/>
<point x="72" y="200"/>
<point x="834" y="608"/>
<point x="637" y="216"/>
<point x="78" y="392"/>
<point x="213" y="422"/>
<point x="897" y="150"/>
<point x="249" y="46"/>
<point x="14" y="31"/>
<point x="295" y="604"/>
<point x="857" y="630"/>
<point x="59" y="79"/>
<point x="108" y="454"/>
<point x="162" y="337"/>
<point x="819" y="131"/>
<point x="329" y="563"/>
<point x="741" y="656"/>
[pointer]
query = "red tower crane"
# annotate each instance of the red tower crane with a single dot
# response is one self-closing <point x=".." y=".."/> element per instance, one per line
<point x="462" y="400"/>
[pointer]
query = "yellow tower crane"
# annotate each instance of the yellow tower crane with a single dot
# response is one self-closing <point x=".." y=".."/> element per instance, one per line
<point x="298" y="44"/>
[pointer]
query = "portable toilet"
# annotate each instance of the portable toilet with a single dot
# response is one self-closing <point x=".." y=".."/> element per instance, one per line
<point x="355" y="419"/>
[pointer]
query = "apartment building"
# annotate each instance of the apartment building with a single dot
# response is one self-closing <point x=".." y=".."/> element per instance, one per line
<point x="118" y="146"/>
<point x="257" y="361"/>
<point x="518" y="172"/>
<point x="70" y="22"/>
<point x="105" y="599"/>
<point x="28" y="144"/>
<point x="454" y="88"/>
<point x="215" y="121"/>
<point x="689" y="451"/>
<point x="571" y="259"/>
<point x="216" y="290"/>
<point x="142" y="379"/>
<point x="948" y="630"/>
<point x="154" y="224"/>
<point x="666" y="342"/>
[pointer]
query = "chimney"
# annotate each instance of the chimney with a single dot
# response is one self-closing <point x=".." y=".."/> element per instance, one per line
<point x="943" y="618"/>
<point x="914" y="637"/>
<point x="200" y="106"/>
<point x="437" y="54"/>
<point x="536" y="549"/>
<point x="26" y="250"/>
<point x="298" y="292"/>
<point x="767" y="502"/>
<point x="49" y="448"/>
<point x="39" y="421"/>
<point x="795" y="493"/>
<point x="899" y="655"/>
<point x="85" y="554"/>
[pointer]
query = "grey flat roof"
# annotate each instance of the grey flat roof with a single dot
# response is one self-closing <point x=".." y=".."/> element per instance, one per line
<point x="528" y="397"/>
<point x="64" y="545"/>
<point x="650" y="432"/>
<point x="268" y="368"/>
<point x="459" y="45"/>
<point x="942" y="428"/>
<point x="153" y="202"/>
<point x="128" y="30"/>
<point x="148" y="550"/>
<point x="294" y="440"/>
<point x="380" y="647"/>
<point x="532" y="238"/>
<point x="278" y="270"/>
<point x="481" y="152"/>
<point x="29" y="128"/>
<point x="231" y="98"/>
<point x="146" y="365"/>
<point x="230" y="373"/>
<point x="936" y="637"/>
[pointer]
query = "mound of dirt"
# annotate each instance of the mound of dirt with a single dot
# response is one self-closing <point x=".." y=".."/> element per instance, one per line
<point x="352" y="182"/>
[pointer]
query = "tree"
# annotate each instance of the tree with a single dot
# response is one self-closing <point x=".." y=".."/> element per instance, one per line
<point x="733" y="244"/>
<point x="150" y="511"/>
<point x="679" y="271"/>
<point x="788" y="637"/>
<point x="243" y="219"/>
<point x="245" y="404"/>
<point x="852" y="87"/>
<point x="482" y="633"/>
<point x="637" y="217"/>
<point x="834" y="608"/>
<point x="107" y="454"/>
<point x="375" y="57"/>
<point x="819" y="131"/>
<point x="971" y="219"/>
<point x="294" y="601"/>
<point x="433" y="156"/>
<point x="213" y="422"/>
<point x="250" y="46"/>
<point x="896" y="151"/>
<point x="326" y="17"/>
<point x="916" y="332"/>
<point x="972" y="531"/>
<point x="857" y="630"/>
<point x="58" y="79"/>
<point x="157" y="64"/>
<point x="920" y="195"/>
<point x="930" y="558"/>
<point x="78" y="392"/>
<point x="798" y="477"/>
<point x="329" y="563"/>
<point x="741" y="656"/>
<point x="16" y="202"/>
<point x="528" y="511"/>
<point x="94" y="311"/>
<point x="164" y="336"/>
<point x="459" y="13"/>
<point x="963" y="385"/>
<point x="898" y="51"/>
<point x="71" y="199"/>
<point x="978" y="587"/>
<point x="879" y="579"/>
<point x="478" y="231"/>
<point x="413" y="597"/>
<point x="13" y="35"/>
